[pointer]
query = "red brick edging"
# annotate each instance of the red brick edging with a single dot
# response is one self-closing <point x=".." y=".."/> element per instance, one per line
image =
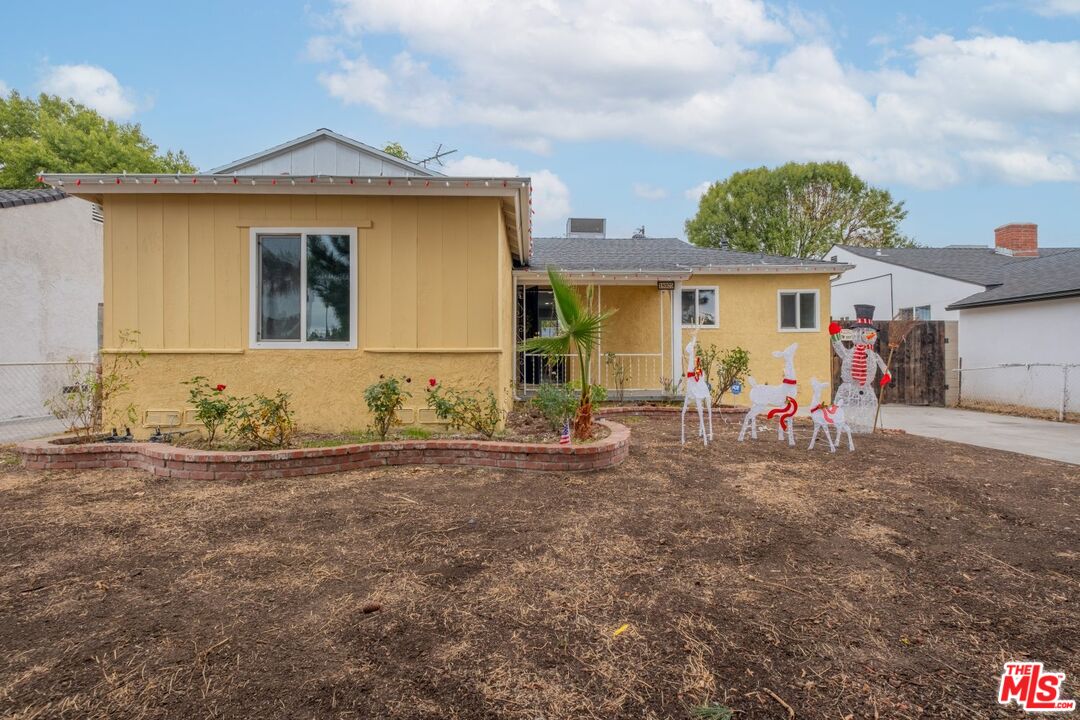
<point x="169" y="461"/>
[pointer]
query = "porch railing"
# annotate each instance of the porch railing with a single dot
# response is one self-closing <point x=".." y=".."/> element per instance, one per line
<point x="640" y="372"/>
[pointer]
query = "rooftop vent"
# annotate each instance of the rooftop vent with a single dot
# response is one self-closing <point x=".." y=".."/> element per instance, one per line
<point x="586" y="228"/>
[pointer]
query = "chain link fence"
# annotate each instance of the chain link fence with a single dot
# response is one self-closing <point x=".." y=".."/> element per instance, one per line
<point x="25" y="387"/>
<point x="1050" y="387"/>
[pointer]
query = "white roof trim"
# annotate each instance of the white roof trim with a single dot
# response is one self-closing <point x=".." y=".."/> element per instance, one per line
<point x="324" y="133"/>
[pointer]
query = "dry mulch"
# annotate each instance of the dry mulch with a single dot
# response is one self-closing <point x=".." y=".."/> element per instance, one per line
<point x="892" y="582"/>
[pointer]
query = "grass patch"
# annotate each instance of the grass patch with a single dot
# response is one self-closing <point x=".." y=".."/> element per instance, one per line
<point x="415" y="432"/>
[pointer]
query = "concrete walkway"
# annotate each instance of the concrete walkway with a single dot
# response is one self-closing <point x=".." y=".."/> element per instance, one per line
<point x="1040" y="438"/>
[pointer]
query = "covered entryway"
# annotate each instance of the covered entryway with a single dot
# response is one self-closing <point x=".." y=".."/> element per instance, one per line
<point x="635" y="357"/>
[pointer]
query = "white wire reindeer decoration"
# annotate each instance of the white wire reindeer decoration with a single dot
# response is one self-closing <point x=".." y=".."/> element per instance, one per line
<point x="828" y="416"/>
<point x="697" y="389"/>
<point x="775" y="400"/>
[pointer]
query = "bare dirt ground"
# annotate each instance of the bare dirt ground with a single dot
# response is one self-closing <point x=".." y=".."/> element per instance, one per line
<point x="888" y="583"/>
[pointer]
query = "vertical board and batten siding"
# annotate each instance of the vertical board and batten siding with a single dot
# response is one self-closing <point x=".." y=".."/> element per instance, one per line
<point x="431" y="269"/>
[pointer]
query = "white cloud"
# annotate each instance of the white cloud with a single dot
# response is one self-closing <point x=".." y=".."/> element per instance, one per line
<point x="698" y="190"/>
<point x="649" y="192"/>
<point x="748" y="82"/>
<point x="551" y="197"/>
<point x="92" y="86"/>
<point x="4" y="89"/>
<point x="1052" y="8"/>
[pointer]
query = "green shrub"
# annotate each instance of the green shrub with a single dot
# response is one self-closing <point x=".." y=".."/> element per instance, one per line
<point x="556" y="403"/>
<point x="597" y="393"/>
<point x="212" y="406"/>
<point x="731" y="365"/>
<point x="460" y="410"/>
<point x="384" y="399"/>
<point x="262" y="421"/>
<point x="415" y="432"/>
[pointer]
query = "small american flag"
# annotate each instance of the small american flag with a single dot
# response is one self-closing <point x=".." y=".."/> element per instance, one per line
<point x="564" y="439"/>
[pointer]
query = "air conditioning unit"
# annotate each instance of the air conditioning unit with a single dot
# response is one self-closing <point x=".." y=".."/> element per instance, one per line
<point x="586" y="228"/>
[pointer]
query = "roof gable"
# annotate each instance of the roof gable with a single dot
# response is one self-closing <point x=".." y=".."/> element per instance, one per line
<point x="324" y="152"/>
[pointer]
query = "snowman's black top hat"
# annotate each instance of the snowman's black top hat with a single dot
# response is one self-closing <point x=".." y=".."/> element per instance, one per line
<point x="864" y="317"/>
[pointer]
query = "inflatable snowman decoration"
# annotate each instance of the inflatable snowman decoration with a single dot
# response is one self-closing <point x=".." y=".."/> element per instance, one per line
<point x="859" y="366"/>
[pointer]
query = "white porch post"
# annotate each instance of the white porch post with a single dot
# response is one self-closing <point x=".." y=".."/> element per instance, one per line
<point x="676" y="332"/>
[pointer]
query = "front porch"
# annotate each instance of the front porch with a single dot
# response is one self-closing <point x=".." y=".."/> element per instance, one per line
<point x="638" y="356"/>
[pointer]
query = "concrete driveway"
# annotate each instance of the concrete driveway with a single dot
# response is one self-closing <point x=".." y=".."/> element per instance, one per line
<point x="1040" y="438"/>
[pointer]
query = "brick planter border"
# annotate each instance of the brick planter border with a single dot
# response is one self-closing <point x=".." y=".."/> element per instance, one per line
<point x="189" y="464"/>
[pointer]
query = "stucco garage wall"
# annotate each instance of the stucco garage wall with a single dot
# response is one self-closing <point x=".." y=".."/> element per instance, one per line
<point x="50" y="288"/>
<point x="50" y="254"/>
<point x="1033" y="332"/>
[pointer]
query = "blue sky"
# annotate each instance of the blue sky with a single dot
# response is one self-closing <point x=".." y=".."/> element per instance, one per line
<point x="968" y="112"/>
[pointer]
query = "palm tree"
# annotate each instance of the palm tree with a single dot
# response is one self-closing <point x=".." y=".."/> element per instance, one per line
<point x="579" y="331"/>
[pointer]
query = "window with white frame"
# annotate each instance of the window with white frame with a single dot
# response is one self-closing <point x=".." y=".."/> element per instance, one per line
<point x="303" y="288"/>
<point x="798" y="310"/>
<point x="919" y="312"/>
<point x="699" y="307"/>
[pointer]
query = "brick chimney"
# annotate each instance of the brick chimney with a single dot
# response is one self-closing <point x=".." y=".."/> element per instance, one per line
<point x="1020" y="239"/>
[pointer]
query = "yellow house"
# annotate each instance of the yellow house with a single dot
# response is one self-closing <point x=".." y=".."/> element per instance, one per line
<point x="318" y="265"/>
<point x="664" y="291"/>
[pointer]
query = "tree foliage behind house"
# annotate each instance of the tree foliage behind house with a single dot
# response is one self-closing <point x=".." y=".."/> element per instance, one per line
<point x="397" y="150"/>
<point x="797" y="209"/>
<point x="51" y="134"/>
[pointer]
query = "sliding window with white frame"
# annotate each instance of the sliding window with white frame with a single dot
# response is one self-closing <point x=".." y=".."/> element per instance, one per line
<point x="303" y="288"/>
<point x="699" y="306"/>
<point x="797" y="310"/>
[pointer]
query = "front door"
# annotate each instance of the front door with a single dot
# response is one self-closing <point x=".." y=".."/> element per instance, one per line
<point x="539" y="320"/>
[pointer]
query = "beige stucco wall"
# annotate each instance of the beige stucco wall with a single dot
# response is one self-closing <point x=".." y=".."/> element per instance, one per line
<point x="748" y="318"/>
<point x="434" y="298"/>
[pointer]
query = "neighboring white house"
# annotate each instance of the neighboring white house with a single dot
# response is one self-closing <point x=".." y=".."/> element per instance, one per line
<point x="1030" y="322"/>
<point x="922" y="282"/>
<point x="51" y="269"/>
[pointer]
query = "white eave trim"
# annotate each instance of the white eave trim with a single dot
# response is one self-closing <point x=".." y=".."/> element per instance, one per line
<point x="76" y="184"/>
<point x="751" y="269"/>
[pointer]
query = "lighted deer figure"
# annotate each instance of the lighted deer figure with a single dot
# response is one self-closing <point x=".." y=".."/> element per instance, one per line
<point x="697" y="389"/>
<point x="827" y="416"/>
<point x="775" y="400"/>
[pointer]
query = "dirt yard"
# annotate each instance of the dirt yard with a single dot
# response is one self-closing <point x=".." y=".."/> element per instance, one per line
<point x="888" y="583"/>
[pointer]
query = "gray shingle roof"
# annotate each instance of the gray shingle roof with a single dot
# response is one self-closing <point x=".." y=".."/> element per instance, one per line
<point x="646" y="255"/>
<point x="979" y="265"/>
<point x="14" y="198"/>
<point x="1053" y="275"/>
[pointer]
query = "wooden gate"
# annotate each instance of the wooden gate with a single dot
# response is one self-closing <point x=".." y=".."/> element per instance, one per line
<point x="920" y="366"/>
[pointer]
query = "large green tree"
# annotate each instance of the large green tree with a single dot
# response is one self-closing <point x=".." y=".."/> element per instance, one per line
<point x="51" y="134"/>
<point x="798" y="209"/>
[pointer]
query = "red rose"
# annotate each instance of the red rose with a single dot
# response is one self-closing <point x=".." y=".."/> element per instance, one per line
<point x="834" y="328"/>
<point x="219" y="388"/>
<point x="432" y="382"/>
